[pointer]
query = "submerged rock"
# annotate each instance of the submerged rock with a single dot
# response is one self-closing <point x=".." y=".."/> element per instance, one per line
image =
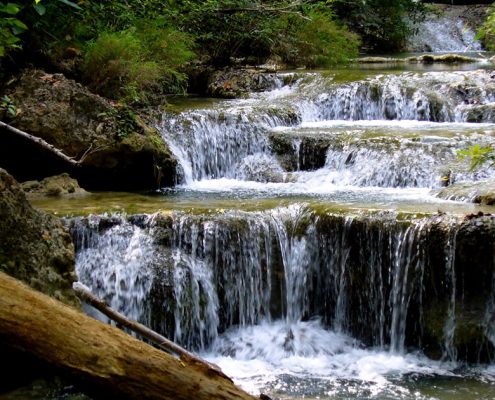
<point x="118" y="150"/>
<point x="34" y="246"/>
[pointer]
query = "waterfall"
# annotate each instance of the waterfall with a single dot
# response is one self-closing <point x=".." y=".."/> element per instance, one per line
<point x="196" y="276"/>
<point x="213" y="143"/>
<point x="444" y="34"/>
<point x="114" y="259"/>
<point x="346" y="133"/>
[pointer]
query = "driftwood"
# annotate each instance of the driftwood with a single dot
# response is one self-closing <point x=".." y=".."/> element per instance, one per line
<point x="84" y="294"/>
<point x="42" y="143"/>
<point x="106" y="359"/>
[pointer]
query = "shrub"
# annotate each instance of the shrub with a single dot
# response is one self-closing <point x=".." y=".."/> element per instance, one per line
<point x="139" y="63"/>
<point x="317" y="42"/>
<point x="384" y="25"/>
<point x="487" y="31"/>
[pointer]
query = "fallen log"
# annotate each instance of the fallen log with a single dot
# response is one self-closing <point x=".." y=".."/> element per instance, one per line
<point x="84" y="294"/>
<point x="106" y="359"/>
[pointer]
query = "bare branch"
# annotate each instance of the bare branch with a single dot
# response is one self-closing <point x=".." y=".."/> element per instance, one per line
<point x="42" y="143"/>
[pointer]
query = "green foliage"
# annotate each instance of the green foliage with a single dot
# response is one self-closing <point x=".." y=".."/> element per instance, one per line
<point x="301" y="33"/>
<point x="478" y="156"/>
<point x="8" y="107"/>
<point x="125" y="120"/>
<point x="314" y="42"/>
<point x="16" y="18"/>
<point x="136" y="63"/>
<point x="383" y="25"/>
<point x="487" y="30"/>
<point x="10" y="27"/>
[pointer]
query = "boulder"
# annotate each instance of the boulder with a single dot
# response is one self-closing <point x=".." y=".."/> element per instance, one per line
<point x="234" y="83"/>
<point x="118" y="150"/>
<point x="35" y="247"/>
<point x="481" y="192"/>
<point x="54" y="186"/>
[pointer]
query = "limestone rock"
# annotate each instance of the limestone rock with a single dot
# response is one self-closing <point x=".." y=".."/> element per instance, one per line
<point x="59" y="185"/>
<point x="34" y="246"/>
<point x="120" y="152"/>
<point x="234" y="83"/>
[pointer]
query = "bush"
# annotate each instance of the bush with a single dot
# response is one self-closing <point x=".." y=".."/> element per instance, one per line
<point x="487" y="31"/>
<point x="138" y="63"/>
<point x="384" y="25"/>
<point x="317" y="42"/>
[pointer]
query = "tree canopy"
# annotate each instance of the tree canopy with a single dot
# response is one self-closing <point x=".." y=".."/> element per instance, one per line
<point x="131" y="49"/>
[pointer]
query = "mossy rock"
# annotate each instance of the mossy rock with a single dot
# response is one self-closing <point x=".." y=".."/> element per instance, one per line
<point x="59" y="185"/>
<point x="35" y="247"/>
<point x="118" y="150"/>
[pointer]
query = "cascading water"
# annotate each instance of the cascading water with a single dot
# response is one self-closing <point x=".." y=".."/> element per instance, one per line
<point x="249" y="140"/>
<point x="263" y="289"/>
<point x="444" y="34"/>
<point x="310" y="257"/>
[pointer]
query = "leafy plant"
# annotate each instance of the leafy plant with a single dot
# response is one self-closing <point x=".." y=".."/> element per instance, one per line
<point x="138" y="62"/>
<point x="383" y="25"/>
<point x="7" y="106"/>
<point x="487" y="30"/>
<point x="478" y="156"/>
<point x="10" y="27"/>
<point x="313" y="42"/>
<point x="15" y="18"/>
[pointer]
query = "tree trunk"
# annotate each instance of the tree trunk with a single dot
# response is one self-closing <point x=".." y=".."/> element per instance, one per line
<point x="106" y="359"/>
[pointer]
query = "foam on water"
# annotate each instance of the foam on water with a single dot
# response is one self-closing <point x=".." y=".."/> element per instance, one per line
<point x="304" y="359"/>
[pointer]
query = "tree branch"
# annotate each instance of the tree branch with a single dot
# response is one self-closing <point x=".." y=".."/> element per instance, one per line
<point x="44" y="144"/>
<point x="161" y="341"/>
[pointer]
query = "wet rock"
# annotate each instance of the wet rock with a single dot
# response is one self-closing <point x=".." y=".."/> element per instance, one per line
<point x="59" y="185"/>
<point x="34" y="246"/>
<point x="482" y="192"/>
<point x="119" y="150"/>
<point x="234" y="83"/>
<point x="260" y="168"/>
<point x="300" y="152"/>
<point x="480" y="113"/>
<point x="443" y="58"/>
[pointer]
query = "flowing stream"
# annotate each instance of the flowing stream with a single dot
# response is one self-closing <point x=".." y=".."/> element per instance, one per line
<point x="309" y="248"/>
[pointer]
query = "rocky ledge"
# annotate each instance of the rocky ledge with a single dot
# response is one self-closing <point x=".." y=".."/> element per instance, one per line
<point x="117" y="150"/>
<point x="35" y="246"/>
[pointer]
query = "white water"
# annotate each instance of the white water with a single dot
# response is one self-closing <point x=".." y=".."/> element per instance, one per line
<point x="222" y="271"/>
<point x="389" y="131"/>
<point x="305" y="360"/>
<point x="242" y="285"/>
<point x="444" y="35"/>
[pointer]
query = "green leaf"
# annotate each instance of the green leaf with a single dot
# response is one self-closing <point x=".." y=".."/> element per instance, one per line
<point x="71" y="4"/>
<point x="18" y="25"/>
<point x="40" y="9"/>
<point x="10" y="8"/>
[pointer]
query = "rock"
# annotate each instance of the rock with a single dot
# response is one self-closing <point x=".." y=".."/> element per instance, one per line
<point x="443" y="58"/>
<point x="34" y="246"/>
<point x="260" y="168"/>
<point x="378" y="60"/>
<point x="234" y="83"/>
<point x="59" y="185"/>
<point x="480" y="113"/>
<point x="482" y="192"/>
<point x="120" y="152"/>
